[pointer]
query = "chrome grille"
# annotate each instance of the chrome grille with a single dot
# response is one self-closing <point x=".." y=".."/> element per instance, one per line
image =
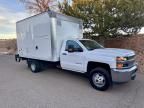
<point x="131" y="57"/>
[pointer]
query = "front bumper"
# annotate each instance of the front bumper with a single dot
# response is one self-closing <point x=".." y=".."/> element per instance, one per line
<point x="124" y="75"/>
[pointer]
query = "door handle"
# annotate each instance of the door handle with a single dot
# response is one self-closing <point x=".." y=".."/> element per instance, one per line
<point x="64" y="53"/>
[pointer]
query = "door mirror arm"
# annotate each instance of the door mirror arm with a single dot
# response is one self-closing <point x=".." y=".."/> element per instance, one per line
<point x="80" y="50"/>
<point x="71" y="50"/>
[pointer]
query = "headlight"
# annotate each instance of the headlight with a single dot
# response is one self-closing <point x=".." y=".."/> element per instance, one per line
<point x="121" y="59"/>
<point x="120" y="62"/>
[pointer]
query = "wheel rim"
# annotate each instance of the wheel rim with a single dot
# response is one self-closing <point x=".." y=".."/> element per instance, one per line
<point x="99" y="80"/>
<point x="33" y="67"/>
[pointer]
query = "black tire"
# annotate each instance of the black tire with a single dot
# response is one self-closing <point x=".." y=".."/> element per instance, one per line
<point x="28" y="63"/>
<point x="102" y="74"/>
<point x="34" y="65"/>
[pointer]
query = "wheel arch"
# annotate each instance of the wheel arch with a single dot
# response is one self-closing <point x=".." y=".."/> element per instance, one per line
<point x="92" y="65"/>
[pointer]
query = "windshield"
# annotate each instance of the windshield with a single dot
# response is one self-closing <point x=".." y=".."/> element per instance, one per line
<point x="91" y="44"/>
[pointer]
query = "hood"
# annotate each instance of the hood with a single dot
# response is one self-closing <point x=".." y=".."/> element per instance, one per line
<point x="113" y="52"/>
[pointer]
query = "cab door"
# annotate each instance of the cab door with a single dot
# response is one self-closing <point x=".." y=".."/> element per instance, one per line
<point x="72" y="57"/>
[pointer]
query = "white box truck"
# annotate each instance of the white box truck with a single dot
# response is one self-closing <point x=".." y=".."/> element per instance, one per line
<point x="55" y="38"/>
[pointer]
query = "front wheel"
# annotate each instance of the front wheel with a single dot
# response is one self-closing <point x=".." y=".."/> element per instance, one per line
<point x="100" y="79"/>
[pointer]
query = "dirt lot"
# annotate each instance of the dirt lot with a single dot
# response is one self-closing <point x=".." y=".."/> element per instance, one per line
<point x="55" y="88"/>
<point x="8" y="46"/>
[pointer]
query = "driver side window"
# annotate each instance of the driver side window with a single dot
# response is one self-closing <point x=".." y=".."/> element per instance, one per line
<point x="76" y="46"/>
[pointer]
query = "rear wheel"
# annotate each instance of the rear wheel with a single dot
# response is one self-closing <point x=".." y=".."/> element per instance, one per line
<point x="100" y="79"/>
<point x="34" y="65"/>
<point x="28" y="63"/>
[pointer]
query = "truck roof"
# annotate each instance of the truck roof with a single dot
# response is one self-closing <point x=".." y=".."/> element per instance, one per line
<point x="52" y="14"/>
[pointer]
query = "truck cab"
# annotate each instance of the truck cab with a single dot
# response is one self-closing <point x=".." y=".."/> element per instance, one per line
<point x="103" y="65"/>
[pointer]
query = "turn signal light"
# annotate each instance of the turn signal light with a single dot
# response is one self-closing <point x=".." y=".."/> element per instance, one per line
<point x="120" y="65"/>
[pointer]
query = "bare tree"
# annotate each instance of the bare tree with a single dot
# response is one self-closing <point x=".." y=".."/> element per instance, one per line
<point x="38" y="6"/>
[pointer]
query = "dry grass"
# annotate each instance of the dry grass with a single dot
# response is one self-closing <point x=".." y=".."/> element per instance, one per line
<point x="8" y="45"/>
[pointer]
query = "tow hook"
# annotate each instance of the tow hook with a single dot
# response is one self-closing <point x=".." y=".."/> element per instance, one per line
<point x="133" y="78"/>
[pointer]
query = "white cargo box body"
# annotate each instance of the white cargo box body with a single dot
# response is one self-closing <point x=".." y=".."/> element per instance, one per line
<point x="41" y="36"/>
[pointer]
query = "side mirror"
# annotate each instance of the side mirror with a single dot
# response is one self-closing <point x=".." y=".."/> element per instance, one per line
<point x="71" y="48"/>
<point x="79" y="50"/>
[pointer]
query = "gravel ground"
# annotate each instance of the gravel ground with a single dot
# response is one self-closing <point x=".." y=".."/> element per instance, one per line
<point x="55" y="88"/>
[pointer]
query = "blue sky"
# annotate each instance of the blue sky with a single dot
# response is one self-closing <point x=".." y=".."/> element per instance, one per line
<point x="12" y="4"/>
<point x="10" y="12"/>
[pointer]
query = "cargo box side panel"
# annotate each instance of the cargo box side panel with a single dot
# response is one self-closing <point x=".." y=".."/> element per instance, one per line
<point x="36" y="39"/>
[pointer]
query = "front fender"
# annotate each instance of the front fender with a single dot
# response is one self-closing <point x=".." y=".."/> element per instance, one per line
<point x="101" y="59"/>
